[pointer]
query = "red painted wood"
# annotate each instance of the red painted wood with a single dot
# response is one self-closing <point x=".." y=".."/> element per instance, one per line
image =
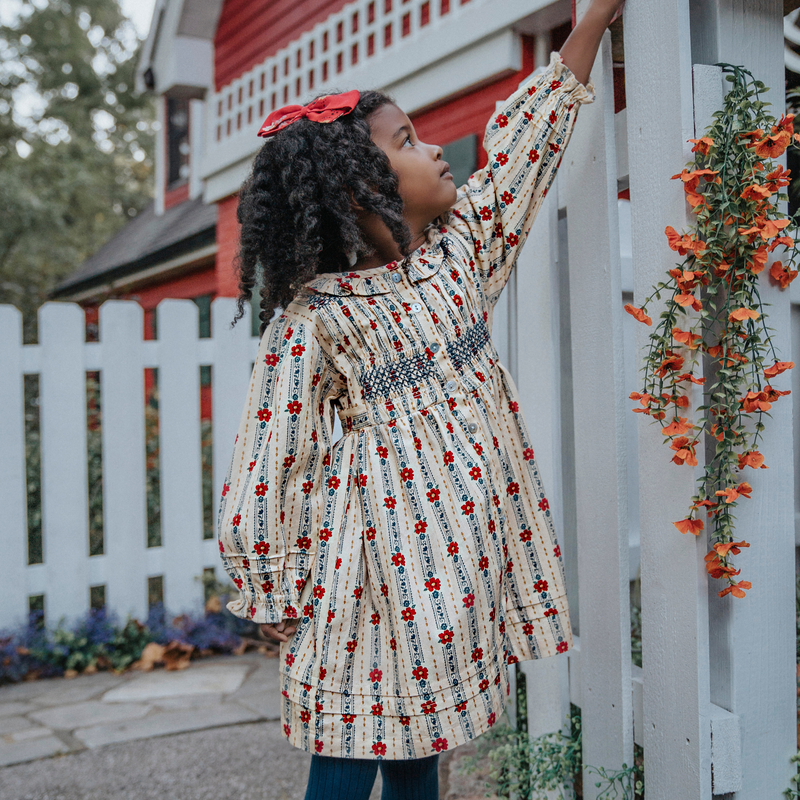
<point x="250" y="31"/>
<point x="227" y="245"/>
<point x="176" y="196"/>
<point x="470" y="112"/>
<point x="619" y="89"/>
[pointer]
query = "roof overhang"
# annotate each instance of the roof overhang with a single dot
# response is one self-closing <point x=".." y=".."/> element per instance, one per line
<point x="178" y="55"/>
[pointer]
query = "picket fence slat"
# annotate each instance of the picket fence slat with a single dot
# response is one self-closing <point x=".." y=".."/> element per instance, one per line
<point x="674" y="617"/>
<point x="124" y="495"/>
<point x="62" y="406"/>
<point x="230" y="378"/>
<point x="12" y="469"/>
<point x="589" y="190"/>
<point x="181" y="495"/>
<point x="752" y="643"/>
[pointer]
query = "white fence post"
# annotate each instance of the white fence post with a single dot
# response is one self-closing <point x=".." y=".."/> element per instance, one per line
<point x="230" y="378"/>
<point x="179" y="428"/>
<point x="589" y="186"/>
<point x="676" y="731"/>
<point x="752" y="640"/>
<point x="65" y="510"/>
<point x="536" y="373"/>
<point x="124" y="491"/>
<point x="13" y="498"/>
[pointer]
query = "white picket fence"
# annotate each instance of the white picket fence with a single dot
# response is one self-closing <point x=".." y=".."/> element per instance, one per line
<point x="716" y="694"/>
<point x="61" y="359"/>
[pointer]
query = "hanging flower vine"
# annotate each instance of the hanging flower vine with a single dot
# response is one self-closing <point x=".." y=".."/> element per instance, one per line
<point x="714" y="311"/>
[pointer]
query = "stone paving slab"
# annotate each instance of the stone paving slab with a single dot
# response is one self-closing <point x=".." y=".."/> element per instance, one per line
<point x="261" y="692"/>
<point x="59" y="691"/>
<point x="199" y="679"/>
<point x="165" y="723"/>
<point x="14" y="708"/>
<point x="28" y="750"/>
<point x="69" y="715"/>
<point x="92" y="712"/>
<point x="187" y="701"/>
<point x="14" y="724"/>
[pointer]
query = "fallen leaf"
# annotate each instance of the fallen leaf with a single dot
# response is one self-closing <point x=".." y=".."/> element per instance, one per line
<point x="177" y="655"/>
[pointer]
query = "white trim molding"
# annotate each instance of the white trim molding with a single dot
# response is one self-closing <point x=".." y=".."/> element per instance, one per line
<point x="413" y="51"/>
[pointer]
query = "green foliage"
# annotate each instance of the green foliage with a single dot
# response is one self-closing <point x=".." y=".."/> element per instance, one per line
<point x="528" y="768"/>
<point x="75" y="142"/>
<point x="152" y="462"/>
<point x="729" y="184"/>
<point x="33" y="469"/>
<point x="112" y="648"/>
<point x="793" y="792"/>
<point x="94" y="453"/>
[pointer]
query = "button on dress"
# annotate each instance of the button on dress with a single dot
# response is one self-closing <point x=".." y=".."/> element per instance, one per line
<point x="416" y="554"/>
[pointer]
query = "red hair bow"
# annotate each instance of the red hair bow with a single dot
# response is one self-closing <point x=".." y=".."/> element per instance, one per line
<point x="323" y="109"/>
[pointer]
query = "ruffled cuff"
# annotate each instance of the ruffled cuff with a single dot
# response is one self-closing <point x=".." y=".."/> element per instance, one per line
<point x="257" y="601"/>
<point x="579" y="92"/>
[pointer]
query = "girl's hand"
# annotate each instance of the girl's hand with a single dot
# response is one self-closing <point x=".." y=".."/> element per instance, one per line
<point x="618" y="13"/>
<point x="611" y="8"/>
<point x="280" y="631"/>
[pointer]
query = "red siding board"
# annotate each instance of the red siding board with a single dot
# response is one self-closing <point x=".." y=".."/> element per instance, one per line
<point x="470" y="112"/>
<point x="249" y="32"/>
<point x="176" y="196"/>
<point x="227" y="245"/>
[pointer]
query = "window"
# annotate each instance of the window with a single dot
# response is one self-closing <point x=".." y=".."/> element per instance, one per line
<point x="177" y="141"/>
<point x="204" y="305"/>
<point x="462" y="155"/>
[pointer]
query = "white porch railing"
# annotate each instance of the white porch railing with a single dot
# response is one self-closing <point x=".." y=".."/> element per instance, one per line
<point x="393" y="45"/>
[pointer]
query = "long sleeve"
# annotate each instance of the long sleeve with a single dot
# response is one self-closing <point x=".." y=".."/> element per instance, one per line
<point x="525" y="142"/>
<point x="271" y="500"/>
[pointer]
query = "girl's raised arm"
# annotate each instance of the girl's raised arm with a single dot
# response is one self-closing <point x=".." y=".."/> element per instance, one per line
<point x="268" y="519"/>
<point x="525" y="142"/>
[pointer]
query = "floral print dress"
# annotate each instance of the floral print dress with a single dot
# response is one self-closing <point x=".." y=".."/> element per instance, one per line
<point x="417" y="553"/>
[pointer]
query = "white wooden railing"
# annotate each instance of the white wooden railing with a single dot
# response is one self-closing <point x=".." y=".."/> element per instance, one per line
<point x="392" y="45"/>
<point x="61" y="359"/>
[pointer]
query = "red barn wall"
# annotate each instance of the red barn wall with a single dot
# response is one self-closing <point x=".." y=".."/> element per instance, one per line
<point x="227" y="245"/>
<point x="250" y="31"/>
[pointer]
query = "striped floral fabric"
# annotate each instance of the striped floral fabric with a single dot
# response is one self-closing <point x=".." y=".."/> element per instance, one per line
<point x="417" y="553"/>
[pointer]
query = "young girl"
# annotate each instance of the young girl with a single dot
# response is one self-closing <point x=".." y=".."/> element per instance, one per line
<point x="405" y="566"/>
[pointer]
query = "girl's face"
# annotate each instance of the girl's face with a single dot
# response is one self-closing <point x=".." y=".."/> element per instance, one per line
<point x="425" y="183"/>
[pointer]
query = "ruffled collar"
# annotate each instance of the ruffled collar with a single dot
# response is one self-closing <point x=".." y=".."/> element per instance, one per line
<point x="422" y="263"/>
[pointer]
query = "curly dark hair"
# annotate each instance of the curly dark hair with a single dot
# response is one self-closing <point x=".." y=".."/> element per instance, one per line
<point x="295" y="209"/>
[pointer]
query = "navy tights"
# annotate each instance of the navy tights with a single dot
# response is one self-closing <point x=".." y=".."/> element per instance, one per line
<point x="334" y="778"/>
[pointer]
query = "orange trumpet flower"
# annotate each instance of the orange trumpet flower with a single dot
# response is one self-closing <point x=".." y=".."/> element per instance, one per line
<point x="677" y="427"/>
<point x="729" y="547"/>
<point x="702" y="145"/>
<point x="752" y="459"/>
<point x="741" y="314"/>
<point x="737" y="590"/>
<point x="684" y="451"/>
<point x="783" y="276"/>
<point x="638" y="313"/>
<point x="689" y="525"/>
<point x="690" y="340"/>
<point x="683" y="244"/>
<point x="777" y="368"/>
<point x="772" y="145"/>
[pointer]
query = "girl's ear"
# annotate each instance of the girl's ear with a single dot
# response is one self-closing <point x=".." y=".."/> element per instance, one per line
<point x="355" y="205"/>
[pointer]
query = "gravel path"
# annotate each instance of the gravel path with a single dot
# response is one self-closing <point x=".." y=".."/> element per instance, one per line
<point x="250" y="760"/>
